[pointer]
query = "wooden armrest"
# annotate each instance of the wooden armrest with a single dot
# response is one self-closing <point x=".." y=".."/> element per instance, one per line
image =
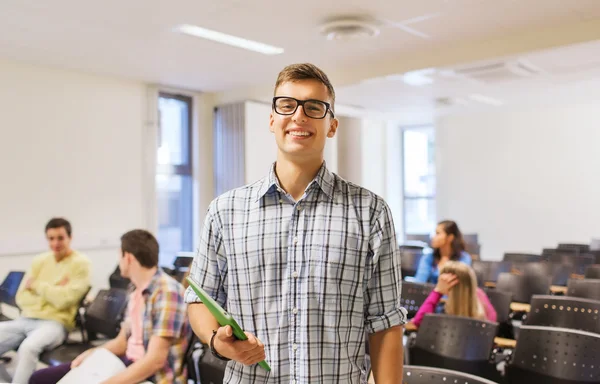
<point x="558" y="289"/>
<point x="505" y="343"/>
<point x="490" y="284"/>
<point x="520" y="307"/>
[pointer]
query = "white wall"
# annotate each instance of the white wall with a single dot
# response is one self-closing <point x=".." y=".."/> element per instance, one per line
<point x="522" y="179"/>
<point x="370" y="155"/>
<point x="259" y="142"/>
<point x="72" y="148"/>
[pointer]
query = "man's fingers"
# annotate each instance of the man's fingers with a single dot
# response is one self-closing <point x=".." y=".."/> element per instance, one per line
<point x="253" y="358"/>
<point x="224" y="333"/>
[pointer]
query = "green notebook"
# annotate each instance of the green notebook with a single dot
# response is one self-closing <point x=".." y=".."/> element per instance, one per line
<point x="223" y="318"/>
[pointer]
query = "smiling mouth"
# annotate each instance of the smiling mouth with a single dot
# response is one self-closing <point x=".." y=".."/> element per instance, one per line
<point x="300" y="134"/>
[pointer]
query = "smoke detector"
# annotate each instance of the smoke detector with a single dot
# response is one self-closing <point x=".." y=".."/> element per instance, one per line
<point x="349" y="29"/>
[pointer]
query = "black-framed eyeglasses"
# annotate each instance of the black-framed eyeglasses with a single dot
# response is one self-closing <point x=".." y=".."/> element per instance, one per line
<point x="315" y="109"/>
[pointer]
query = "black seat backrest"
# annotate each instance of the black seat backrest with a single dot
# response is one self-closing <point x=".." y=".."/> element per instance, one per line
<point x="577" y="248"/>
<point x="551" y="354"/>
<point x="456" y="337"/>
<point x="522" y="257"/>
<point x="587" y="288"/>
<point x="409" y="261"/>
<point x="473" y="249"/>
<point x="413" y="296"/>
<point x="523" y="287"/>
<point x="413" y="246"/>
<point x="579" y="262"/>
<point x="560" y="273"/>
<point x="414" y="374"/>
<point x="501" y="303"/>
<point x="491" y="269"/>
<point x="471" y="238"/>
<point x="564" y="312"/>
<point x="116" y="280"/>
<point x="592" y="271"/>
<point x="105" y="313"/>
<point x="458" y="343"/>
<point x="421" y="237"/>
<point x="10" y="286"/>
<point x="183" y="262"/>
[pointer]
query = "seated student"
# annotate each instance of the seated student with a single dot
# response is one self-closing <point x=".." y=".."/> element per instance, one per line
<point x="457" y="281"/>
<point x="49" y="297"/>
<point x="155" y="333"/>
<point x="448" y="245"/>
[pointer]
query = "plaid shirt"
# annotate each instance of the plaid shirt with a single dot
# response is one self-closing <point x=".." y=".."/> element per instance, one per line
<point x="165" y="315"/>
<point x="307" y="278"/>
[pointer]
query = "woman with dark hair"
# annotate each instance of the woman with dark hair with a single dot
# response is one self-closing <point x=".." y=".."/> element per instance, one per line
<point x="448" y="245"/>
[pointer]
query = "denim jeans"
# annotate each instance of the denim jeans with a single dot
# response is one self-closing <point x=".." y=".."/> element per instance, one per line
<point x="30" y="337"/>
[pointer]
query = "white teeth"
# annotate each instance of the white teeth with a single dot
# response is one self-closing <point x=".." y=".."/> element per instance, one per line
<point x="299" y="133"/>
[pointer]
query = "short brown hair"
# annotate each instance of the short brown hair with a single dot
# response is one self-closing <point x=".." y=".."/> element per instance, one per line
<point x="305" y="71"/>
<point x="59" y="222"/>
<point x="142" y="245"/>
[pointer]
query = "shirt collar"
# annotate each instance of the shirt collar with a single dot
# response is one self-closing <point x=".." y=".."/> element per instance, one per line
<point x="324" y="179"/>
<point x="152" y="284"/>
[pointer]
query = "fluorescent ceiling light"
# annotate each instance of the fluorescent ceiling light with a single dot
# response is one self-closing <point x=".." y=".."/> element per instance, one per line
<point x="486" y="99"/>
<point x="223" y="38"/>
<point x="418" y="78"/>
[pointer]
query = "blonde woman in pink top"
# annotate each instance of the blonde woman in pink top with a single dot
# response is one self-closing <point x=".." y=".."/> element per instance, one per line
<point x="457" y="281"/>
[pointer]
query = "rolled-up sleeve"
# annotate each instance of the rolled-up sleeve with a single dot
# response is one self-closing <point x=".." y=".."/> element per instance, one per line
<point x="209" y="268"/>
<point x="382" y="298"/>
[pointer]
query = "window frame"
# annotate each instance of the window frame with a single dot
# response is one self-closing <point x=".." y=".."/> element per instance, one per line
<point x="182" y="169"/>
<point x="405" y="197"/>
<point x="186" y="168"/>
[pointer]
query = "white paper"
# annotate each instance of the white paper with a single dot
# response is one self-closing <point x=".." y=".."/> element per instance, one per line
<point x="100" y="365"/>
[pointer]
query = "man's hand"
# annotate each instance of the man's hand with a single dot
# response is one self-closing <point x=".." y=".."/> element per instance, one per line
<point x="64" y="281"/>
<point x="410" y="326"/>
<point x="247" y="352"/>
<point x="29" y="283"/>
<point x="79" y="359"/>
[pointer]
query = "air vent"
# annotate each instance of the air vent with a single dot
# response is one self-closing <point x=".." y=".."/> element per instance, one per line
<point x="495" y="72"/>
<point x="349" y="29"/>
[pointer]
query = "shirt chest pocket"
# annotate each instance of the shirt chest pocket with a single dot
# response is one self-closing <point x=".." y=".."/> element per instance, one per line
<point x="336" y="270"/>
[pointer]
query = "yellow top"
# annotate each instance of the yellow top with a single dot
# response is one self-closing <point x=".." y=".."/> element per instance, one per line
<point x="49" y="300"/>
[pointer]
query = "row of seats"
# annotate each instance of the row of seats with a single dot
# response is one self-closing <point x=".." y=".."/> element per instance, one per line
<point x="549" y="355"/>
<point x="98" y="321"/>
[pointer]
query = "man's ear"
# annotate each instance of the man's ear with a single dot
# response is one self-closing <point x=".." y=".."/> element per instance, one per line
<point x="271" y="121"/>
<point x="333" y="127"/>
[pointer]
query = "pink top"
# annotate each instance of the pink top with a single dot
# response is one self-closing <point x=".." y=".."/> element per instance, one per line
<point x="434" y="298"/>
<point x="135" y="342"/>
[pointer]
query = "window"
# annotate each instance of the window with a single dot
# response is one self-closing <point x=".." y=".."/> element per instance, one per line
<point x="419" y="180"/>
<point x="174" y="182"/>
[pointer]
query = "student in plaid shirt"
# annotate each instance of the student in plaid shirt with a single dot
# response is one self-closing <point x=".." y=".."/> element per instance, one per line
<point x="155" y="333"/>
<point x="305" y="261"/>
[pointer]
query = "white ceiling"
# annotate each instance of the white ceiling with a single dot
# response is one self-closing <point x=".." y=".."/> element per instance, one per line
<point x="134" y="39"/>
<point x="569" y="73"/>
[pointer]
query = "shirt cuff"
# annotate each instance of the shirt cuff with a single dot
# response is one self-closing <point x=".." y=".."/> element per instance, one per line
<point x="390" y="319"/>
<point x="191" y="297"/>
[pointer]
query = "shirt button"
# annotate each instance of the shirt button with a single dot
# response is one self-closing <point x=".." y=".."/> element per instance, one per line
<point x="295" y="311"/>
<point x="296" y="240"/>
<point x="281" y="200"/>
<point x="295" y="275"/>
<point x="295" y="346"/>
<point x="299" y="208"/>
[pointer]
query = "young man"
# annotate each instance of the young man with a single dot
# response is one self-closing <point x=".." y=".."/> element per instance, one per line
<point x="155" y="333"/>
<point x="304" y="260"/>
<point x="49" y="297"/>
